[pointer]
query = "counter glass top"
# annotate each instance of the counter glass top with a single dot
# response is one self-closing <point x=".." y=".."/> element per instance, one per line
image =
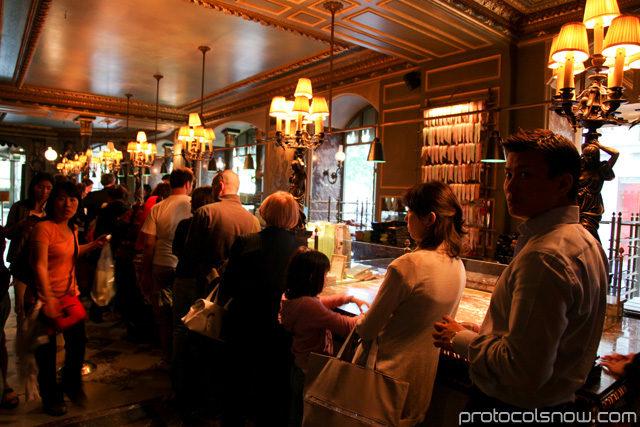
<point x="619" y="338"/>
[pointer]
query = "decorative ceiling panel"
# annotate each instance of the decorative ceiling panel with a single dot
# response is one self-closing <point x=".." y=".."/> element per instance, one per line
<point x="424" y="18"/>
<point x="68" y="57"/>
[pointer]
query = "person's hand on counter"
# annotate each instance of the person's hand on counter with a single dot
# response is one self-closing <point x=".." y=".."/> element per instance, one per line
<point x="615" y="364"/>
<point x="359" y="303"/>
<point x="445" y="332"/>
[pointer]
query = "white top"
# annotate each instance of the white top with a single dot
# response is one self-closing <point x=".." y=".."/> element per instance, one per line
<point x="162" y="222"/>
<point x="419" y="288"/>
<point x="539" y="338"/>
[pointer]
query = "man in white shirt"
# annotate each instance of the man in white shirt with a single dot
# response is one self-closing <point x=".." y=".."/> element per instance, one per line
<point x="158" y="261"/>
<point x="541" y="332"/>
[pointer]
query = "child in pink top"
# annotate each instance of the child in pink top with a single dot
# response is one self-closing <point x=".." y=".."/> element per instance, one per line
<point x="310" y="318"/>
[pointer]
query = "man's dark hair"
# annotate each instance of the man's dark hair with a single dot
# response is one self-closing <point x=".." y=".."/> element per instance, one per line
<point x="118" y="192"/>
<point x="179" y="177"/>
<point x="87" y="182"/>
<point x="559" y="153"/>
<point x="107" y="179"/>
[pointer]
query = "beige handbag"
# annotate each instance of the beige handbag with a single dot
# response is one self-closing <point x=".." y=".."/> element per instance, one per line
<point x="340" y="393"/>
<point x="205" y="316"/>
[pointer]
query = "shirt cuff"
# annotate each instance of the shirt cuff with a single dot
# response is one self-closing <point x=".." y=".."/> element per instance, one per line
<point x="461" y="342"/>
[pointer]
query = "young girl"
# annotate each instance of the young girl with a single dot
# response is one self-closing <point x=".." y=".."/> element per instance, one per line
<point x="310" y="318"/>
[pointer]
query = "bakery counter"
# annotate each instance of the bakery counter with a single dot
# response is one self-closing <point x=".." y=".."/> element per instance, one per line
<point x="601" y="392"/>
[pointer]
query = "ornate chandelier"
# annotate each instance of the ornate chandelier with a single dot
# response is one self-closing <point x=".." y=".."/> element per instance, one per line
<point x="196" y="139"/>
<point x="110" y="159"/>
<point x="141" y="153"/>
<point x="297" y="115"/>
<point x="81" y="163"/>
<point x="597" y="105"/>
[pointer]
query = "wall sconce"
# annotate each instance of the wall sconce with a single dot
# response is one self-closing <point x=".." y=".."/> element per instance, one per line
<point x="333" y="176"/>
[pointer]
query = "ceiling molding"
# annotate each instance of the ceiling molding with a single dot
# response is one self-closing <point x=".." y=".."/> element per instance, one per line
<point x="35" y="24"/>
<point x="82" y="103"/>
<point x="253" y="16"/>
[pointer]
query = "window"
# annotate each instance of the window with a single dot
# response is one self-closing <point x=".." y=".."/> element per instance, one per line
<point x="623" y="193"/>
<point x="359" y="194"/>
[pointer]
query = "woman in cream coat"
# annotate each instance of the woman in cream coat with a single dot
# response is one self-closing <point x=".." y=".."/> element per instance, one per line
<point x="419" y="288"/>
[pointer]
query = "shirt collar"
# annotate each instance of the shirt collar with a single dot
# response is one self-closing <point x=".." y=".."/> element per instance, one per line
<point x="546" y="220"/>
<point x="230" y="197"/>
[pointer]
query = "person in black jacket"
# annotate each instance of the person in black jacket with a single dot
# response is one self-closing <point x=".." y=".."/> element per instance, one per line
<point x="96" y="199"/>
<point x="258" y="386"/>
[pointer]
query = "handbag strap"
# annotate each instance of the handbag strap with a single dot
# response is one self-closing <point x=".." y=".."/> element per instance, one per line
<point x="347" y="342"/>
<point x="373" y="350"/>
<point x="212" y="293"/>
<point x="215" y="300"/>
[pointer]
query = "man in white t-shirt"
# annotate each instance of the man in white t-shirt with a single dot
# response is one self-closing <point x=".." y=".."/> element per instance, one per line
<point x="158" y="261"/>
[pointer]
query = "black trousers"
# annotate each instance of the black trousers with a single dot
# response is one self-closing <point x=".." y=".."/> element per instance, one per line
<point x="74" y="346"/>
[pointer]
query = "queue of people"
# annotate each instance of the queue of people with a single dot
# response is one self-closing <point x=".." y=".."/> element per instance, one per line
<point x="534" y="349"/>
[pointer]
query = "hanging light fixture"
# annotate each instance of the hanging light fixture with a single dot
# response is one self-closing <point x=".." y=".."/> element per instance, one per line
<point x="142" y="154"/>
<point x="492" y="152"/>
<point x="197" y="140"/>
<point x="110" y="158"/>
<point x="51" y="154"/>
<point x="597" y="105"/>
<point x="296" y="116"/>
<point x="376" y="152"/>
<point x="249" y="164"/>
<point x="211" y="166"/>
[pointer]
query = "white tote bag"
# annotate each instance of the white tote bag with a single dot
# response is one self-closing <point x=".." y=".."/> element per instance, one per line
<point x="205" y="316"/>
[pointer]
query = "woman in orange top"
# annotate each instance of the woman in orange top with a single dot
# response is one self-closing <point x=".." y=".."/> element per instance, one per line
<point x="53" y="256"/>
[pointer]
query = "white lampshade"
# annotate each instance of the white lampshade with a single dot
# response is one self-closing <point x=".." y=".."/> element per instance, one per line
<point x="209" y="134"/>
<point x="319" y="107"/>
<point x="304" y="88"/>
<point x="198" y="132"/>
<point x="301" y="105"/>
<point x="141" y="137"/>
<point x="194" y="119"/>
<point x="278" y="107"/>
<point x="604" y="9"/>
<point x="572" y="39"/>
<point x="184" y="133"/>
<point x="340" y="155"/>
<point x="623" y="32"/>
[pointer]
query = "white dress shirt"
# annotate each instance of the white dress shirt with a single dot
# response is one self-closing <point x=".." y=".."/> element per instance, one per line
<point x="539" y="338"/>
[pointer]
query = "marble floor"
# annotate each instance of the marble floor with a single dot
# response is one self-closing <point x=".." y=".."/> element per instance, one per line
<point x="126" y="389"/>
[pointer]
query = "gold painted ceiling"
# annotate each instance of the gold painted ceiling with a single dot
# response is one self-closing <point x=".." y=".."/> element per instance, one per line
<point x="65" y="58"/>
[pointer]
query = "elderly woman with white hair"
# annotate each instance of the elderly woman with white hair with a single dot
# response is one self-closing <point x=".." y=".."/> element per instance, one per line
<point x="258" y="386"/>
